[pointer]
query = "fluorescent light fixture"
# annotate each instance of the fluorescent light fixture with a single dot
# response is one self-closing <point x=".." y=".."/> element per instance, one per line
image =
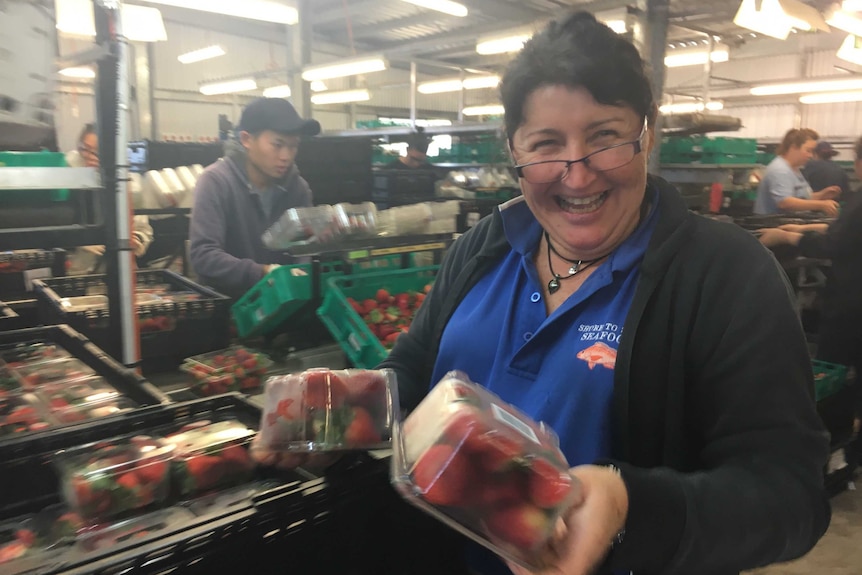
<point x="502" y="44"/>
<point x="845" y="21"/>
<point x="445" y="6"/>
<point x="229" y="87"/>
<point x="691" y="107"/>
<point x="489" y="110"/>
<point x="852" y="5"/>
<point x="831" y="97"/>
<point x="140" y="23"/>
<point x="692" y="57"/>
<point x="79" y="73"/>
<point x="282" y="91"/>
<point x="264" y="10"/>
<point x="851" y="49"/>
<point x="803" y="87"/>
<point x="616" y="19"/>
<point x="318" y="86"/>
<point x="344" y="68"/>
<point x="455" y="84"/>
<point x="344" y="97"/>
<point x="207" y="53"/>
<point x="618" y="26"/>
<point x="777" y="17"/>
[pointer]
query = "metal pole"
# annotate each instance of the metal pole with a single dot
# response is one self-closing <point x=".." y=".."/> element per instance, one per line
<point x="461" y="95"/>
<point x="707" y="70"/>
<point x="151" y="96"/>
<point x="413" y="95"/>
<point x="112" y="106"/>
<point x="650" y="36"/>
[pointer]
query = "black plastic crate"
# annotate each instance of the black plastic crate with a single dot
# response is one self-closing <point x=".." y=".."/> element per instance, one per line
<point x="288" y="516"/>
<point x="402" y="187"/>
<point x="13" y="264"/>
<point x="8" y="318"/>
<point x="170" y="331"/>
<point x="125" y="381"/>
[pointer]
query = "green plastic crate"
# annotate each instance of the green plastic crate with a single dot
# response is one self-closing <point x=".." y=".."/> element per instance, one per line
<point x="829" y="378"/>
<point x="33" y="160"/>
<point x="278" y="296"/>
<point x="345" y="325"/>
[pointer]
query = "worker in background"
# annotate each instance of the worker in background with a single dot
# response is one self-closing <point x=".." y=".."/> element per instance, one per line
<point x="242" y="195"/>
<point x="841" y="317"/>
<point x="784" y="188"/>
<point x="822" y="172"/>
<point x="416" y="157"/>
<point x="90" y="259"/>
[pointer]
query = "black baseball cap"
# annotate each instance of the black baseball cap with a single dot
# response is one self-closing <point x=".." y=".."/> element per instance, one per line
<point x="825" y="149"/>
<point x="278" y="115"/>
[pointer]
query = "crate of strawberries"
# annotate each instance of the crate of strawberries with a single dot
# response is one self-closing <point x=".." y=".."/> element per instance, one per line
<point x="367" y="312"/>
<point x="233" y="369"/>
<point x="327" y="410"/>
<point x="484" y="468"/>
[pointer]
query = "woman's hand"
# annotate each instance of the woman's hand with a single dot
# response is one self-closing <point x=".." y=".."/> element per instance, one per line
<point x="802" y="228"/>
<point x="772" y="237"/>
<point x="828" y="207"/>
<point x="585" y="533"/>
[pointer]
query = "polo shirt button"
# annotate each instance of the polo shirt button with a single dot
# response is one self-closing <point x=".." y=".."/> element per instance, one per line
<point x="535" y="297"/>
<point x="528" y="336"/>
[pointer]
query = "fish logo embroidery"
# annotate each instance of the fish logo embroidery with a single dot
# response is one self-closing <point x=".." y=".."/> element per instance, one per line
<point x="599" y="354"/>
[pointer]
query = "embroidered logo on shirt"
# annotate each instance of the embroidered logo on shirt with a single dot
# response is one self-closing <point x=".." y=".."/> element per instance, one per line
<point x="599" y="354"/>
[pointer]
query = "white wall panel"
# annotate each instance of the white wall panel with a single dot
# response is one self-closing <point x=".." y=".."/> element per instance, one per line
<point x="189" y="120"/>
<point x="762" y="121"/>
<point x="834" y="121"/>
<point x="74" y="111"/>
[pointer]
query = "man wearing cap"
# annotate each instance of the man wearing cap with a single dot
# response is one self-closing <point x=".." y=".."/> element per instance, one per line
<point x="239" y="197"/>
<point x="821" y="172"/>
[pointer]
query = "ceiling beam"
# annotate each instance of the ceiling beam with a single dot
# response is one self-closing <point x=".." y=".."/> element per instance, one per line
<point x="374" y="29"/>
<point x="337" y="13"/>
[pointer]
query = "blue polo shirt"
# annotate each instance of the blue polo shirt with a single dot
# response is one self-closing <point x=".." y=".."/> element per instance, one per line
<point x="559" y="368"/>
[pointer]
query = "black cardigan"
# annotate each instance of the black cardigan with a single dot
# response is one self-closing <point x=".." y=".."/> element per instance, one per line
<point x="715" y="427"/>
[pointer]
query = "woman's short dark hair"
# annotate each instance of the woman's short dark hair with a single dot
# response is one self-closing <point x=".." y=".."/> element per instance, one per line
<point x="795" y="138"/>
<point x="579" y="52"/>
<point x="88" y="129"/>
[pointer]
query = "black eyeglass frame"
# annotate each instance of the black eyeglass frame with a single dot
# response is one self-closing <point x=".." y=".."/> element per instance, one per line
<point x="586" y="159"/>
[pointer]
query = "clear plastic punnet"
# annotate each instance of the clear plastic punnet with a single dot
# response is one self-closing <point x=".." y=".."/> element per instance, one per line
<point x="53" y="371"/>
<point x="484" y="468"/>
<point x="326" y="410"/>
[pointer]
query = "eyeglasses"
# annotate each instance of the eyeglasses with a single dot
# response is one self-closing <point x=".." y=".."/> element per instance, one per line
<point x="86" y="150"/>
<point x="610" y="158"/>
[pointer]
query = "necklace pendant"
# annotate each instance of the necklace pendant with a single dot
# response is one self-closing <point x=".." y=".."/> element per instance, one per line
<point x="573" y="270"/>
<point x="554" y="285"/>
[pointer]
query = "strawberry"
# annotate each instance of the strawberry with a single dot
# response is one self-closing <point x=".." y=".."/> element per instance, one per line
<point x="548" y="485"/>
<point x="206" y="470"/>
<point x="367" y="388"/>
<point x="521" y="525"/>
<point x="25" y="536"/>
<point x="218" y="360"/>
<point x="249" y="383"/>
<point x="382" y="296"/>
<point x="323" y="389"/>
<point x="504" y="490"/>
<point x="442" y="475"/>
<point x="361" y="430"/>
<point x="357" y="307"/>
<point x="237" y="457"/>
<point x="249" y="364"/>
<point x="128" y="480"/>
<point x="427" y="288"/>
<point x="152" y="473"/>
<point x="498" y="452"/>
<point x="464" y="428"/>
<point x="368" y="306"/>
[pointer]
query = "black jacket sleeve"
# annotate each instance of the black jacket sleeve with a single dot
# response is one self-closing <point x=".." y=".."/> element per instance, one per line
<point x="843" y="237"/>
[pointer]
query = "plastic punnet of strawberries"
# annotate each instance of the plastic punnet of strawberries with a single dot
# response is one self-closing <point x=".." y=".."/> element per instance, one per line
<point x="484" y="468"/>
<point x="389" y="315"/>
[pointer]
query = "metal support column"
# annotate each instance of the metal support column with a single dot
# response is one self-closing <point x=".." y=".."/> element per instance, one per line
<point x="112" y="107"/>
<point x="413" y="95"/>
<point x="650" y="36"/>
<point x="299" y="37"/>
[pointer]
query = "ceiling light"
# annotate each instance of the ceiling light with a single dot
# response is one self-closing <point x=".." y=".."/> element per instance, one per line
<point x="831" y="98"/>
<point x="618" y="26"/>
<point x="282" y="91"/>
<point x="80" y="73"/>
<point x="140" y="23"/>
<point x="502" y="44"/>
<point x="345" y="68"/>
<point x="318" y="86"/>
<point x="343" y="97"/>
<point x="698" y="56"/>
<point x="456" y="84"/>
<point x="852" y="5"/>
<point x="200" y="55"/>
<point x="770" y="19"/>
<point x="802" y="87"/>
<point x="490" y="110"/>
<point x="616" y="19"/>
<point x="264" y="10"/>
<point x="445" y="6"/>
<point x="851" y="49"/>
<point x="845" y="21"/>
<point x="690" y="107"/>
<point x="229" y="87"/>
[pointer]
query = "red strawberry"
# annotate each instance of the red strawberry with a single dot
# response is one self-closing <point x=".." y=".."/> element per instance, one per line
<point x="503" y="490"/>
<point x="464" y="429"/>
<point x="206" y="470"/>
<point x="523" y="525"/>
<point x="357" y="307"/>
<point x="367" y="388"/>
<point x="128" y="480"/>
<point x="497" y="451"/>
<point x="549" y="486"/>
<point x="154" y="472"/>
<point x="236" y="456"/>
<point x="368" y="306"/>
<point x="249" y="363"/>
<point x="382" y="296"/>
<point x="26" y="537"/>
<point x="361" y="430"/>
<point x="323" y="389"/>
<point x="218" y="360"/>
<point x="442" y="475"/>
<point x="249" y="383"/>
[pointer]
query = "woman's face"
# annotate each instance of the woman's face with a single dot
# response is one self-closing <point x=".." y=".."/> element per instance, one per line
<point x="588" y="213"/>
<point x="800" y="155"/>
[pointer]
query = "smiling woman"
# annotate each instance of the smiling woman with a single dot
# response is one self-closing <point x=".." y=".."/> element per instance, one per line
<point x="650" y="339"/>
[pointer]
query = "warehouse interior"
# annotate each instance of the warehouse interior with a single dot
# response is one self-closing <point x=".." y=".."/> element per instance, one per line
<point x="113" y="115"/>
